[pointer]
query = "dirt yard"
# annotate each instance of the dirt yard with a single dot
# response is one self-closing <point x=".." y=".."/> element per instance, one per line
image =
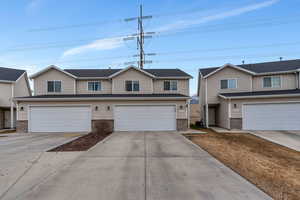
<point x="273" y="168"/>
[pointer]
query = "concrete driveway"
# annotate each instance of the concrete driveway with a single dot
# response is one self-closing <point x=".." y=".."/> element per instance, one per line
<point x="152" y="166"/>
<point x="24" y="161"/>
<point x="290" y="139"/>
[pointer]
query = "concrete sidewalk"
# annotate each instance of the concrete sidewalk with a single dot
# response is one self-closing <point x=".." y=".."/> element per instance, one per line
<point x="290" y="139"/>
<point x="144" y="165"/>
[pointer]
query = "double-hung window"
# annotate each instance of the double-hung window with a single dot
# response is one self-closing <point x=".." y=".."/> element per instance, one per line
<point x="229" y="84"/>
<point x="132" y="86"/>
<point x="94" y="86"/>
<point x="170" y="85"/>
<point x="272" y="82"/>
<point x="54" y="86"/>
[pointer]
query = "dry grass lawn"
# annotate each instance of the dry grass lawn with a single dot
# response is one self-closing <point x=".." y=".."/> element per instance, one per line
<point x="273" y="168"/>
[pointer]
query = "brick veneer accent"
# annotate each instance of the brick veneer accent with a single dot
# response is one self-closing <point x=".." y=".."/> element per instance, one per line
<point x="107" y="124"/>
<point x="236" y="123"/>
<point x="182" y="124"/>
<point x="22" y="126"/>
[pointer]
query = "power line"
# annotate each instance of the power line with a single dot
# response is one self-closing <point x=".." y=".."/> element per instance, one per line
<point x="62" y="27"/>
<point x="170" y="53"/>
<point x="228" y="27"/>
<point x="194" y="30"/>
<point x="278" y="55"/>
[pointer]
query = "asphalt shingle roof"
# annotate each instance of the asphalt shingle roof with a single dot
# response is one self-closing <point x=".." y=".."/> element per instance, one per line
<point x="265" y="67"/>
<point x="167" y="72"/>
<point x="92" y="72"/>
<point x="261" y="93"/>
<point x="107" y="72"/>
<point x="8" y="74"/>
<point x="103" y="95"/>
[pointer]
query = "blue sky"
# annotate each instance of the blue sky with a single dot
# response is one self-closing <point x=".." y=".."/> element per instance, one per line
<point x="191" y="34"/>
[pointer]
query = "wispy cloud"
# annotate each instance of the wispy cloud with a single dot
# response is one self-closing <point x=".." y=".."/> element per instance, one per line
<point x="33" y="5"/>
<point x="103" y="44"/>
<point x="214" y="17"/>
<point x="117" y="42"/>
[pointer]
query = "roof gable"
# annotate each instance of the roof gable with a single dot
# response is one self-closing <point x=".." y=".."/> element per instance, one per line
<point x="231" y="66"/>
<point x="134" y="68"/>
<point x="49" y="68"/>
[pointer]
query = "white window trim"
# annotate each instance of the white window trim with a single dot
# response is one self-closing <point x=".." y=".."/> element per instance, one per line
<point x="87" y="86"/>
<point x="132" y="86"/>
<point x="61" y="89"/>
<point x="170" y="90"/>
<point x="228" y="82"/>
<point x="271" y="81"/>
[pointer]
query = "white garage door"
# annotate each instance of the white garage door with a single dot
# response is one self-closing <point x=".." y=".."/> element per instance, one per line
<point x="283" y="116"/>
<point x="60" y="119"/>
<point x="145" y="118"/>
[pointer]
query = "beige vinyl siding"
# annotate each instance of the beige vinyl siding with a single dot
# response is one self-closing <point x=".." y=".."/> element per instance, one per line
<point x="21" y="88"/>
<point x="237" y="113"/>
<point x="5" y="94"/>
<point x="67" y="82"/>
<point x="118" y="82"/>
<point x="82" y="87"/>
<point x="103" y="112"/>
<point x="194" y="113"/>
<point x="213" y="82"/>
<point x="222" y="114"/>
<point x="288" y="81"/>
<point x="182" y="87"/>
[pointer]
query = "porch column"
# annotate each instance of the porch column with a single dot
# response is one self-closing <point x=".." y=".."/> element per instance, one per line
<point x="229" y="113"/>
<point x="206" y="106"/>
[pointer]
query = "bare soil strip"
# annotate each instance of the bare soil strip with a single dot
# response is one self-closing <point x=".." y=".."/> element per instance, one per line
<point x="271" y="167"/>
<point x="82" y="143"/>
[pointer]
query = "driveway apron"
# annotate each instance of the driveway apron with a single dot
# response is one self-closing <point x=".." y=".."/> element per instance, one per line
<point x="146" y="165"/>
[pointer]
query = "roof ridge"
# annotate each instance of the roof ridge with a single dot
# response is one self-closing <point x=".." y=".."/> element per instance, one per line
<point x="268" y="62"/>
<point x="13" y="68"/>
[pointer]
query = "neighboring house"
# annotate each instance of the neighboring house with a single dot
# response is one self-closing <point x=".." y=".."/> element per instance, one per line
<point x="261" y="96"/>
<point x="130" y="99"/>
<point x="194" y="110"/>
<point x="13" y="83"/>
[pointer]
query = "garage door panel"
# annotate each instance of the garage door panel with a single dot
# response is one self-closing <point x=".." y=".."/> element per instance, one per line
<point x="283" y="116"/>
<point x="60" y="119"/>
<point x="145" y="118"/>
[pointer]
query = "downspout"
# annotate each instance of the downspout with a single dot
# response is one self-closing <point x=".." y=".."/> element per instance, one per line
<point x="199" y="95"/>
<point x="206" y="105"/>
<point x="188" y="113"/>
<point x="12" y="107"/>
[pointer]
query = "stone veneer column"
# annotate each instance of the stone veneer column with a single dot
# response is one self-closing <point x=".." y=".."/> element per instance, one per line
<point x="182" y="124"/>
<point x="22" y="126"/>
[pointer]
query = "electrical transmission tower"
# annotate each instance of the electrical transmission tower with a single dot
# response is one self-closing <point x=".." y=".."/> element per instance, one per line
<point x="140" y="37"/>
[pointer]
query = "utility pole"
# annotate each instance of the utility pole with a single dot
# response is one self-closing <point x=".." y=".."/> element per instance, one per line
<point x="140" y="38"/>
